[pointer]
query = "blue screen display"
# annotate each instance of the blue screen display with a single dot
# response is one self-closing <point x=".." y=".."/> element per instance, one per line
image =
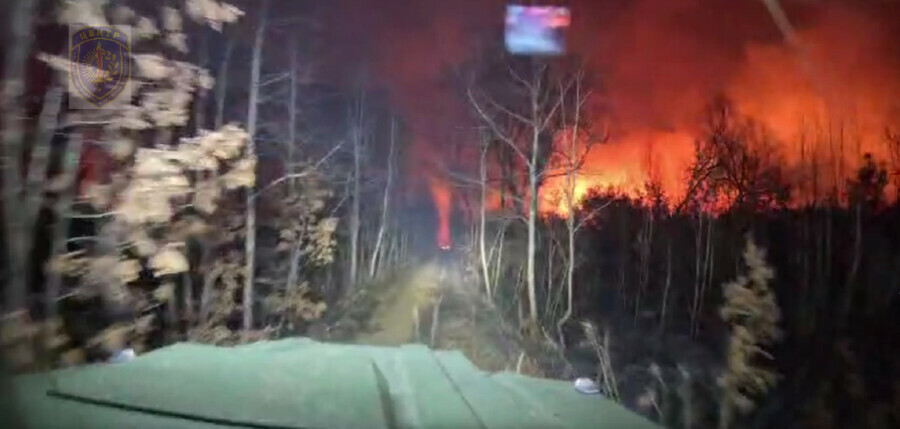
<point x="536" y="30"/>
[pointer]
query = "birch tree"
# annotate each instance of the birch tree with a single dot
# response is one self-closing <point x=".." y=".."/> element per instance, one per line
<point x="252" y="116"/>
<point x="522" y="107"/>
<point x="385" y="204"/>
<point x="574" y="152"/>
<point x="482" y="213"/>
<point x="357" y="134"/>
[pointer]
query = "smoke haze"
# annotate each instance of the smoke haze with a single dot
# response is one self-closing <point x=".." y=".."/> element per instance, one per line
<point x="659" y="63"/>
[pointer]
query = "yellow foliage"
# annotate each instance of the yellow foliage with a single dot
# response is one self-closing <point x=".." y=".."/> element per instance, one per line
<point x="206" y="196"/>
<point x="69" y="264"/>
<point x="171" y="19"/>
<point x="213" y="13"/>
<point x="151" y="66"/>
<point x="112" y="338"/>
<point x="73" y="357"/>
<point x="100" y="196"/>
<point x="165" y="292"/>
<point x="242" y="175"/>
<point x="298" y="303"/>
<point x="127" y="270"/>
<point x="144" y="245"/>
<point x="121" y="148"/>
<point x="169" y="261"/>
<point x="151" y="188"/>
<point x="23" y="341"/>
<point x="145" y="29"/>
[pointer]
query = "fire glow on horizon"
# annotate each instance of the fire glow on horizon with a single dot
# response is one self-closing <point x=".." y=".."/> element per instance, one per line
<point x="659" y="62"/>
<point x="824" y="108"/>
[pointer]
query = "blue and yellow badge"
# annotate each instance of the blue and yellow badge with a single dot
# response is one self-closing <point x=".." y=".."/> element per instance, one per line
<point x="99" y="63"/>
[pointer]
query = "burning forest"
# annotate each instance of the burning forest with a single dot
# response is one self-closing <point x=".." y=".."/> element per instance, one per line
<point x="679" y="214"/>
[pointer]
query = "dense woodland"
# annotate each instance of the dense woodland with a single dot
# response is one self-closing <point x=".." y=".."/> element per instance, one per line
<point x="239" y="195"/>
<point x="206" y="206"/>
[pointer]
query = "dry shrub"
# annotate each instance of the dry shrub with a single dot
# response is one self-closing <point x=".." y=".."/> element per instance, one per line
<point x="752" y="312"/>
<point x="297" y="305"/>
<point x="606" y="376"/>
<point x="27" y="345"/>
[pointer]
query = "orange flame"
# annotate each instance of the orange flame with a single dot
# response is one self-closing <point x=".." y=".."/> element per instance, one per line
<point x="442" y="195"/>
<point x="825" y="107"/>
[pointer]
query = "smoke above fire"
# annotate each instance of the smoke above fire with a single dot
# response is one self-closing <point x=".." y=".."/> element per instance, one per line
<point x="659" y="62"/>
<point x="662" y="62"/>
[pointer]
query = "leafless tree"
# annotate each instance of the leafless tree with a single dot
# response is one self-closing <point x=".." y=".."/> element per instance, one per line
<point x="575" y="148"/>
<point x="524" y="114"/>
<point x="357" y="135"/>
<point x="252" y="116"/>
<point x="385" y="204"/>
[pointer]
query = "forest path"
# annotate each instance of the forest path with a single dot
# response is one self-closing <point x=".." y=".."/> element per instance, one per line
<point x="406" y="310"/>
<point x="395" y="319"/>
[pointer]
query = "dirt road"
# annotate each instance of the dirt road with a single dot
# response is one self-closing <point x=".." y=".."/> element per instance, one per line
<point x="402" y="307"/>
<point x="406" y="308"/>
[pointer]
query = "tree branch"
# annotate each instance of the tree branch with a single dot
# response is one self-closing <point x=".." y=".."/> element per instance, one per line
<point x="495" y="128"/>
<point x="306" y="173"/>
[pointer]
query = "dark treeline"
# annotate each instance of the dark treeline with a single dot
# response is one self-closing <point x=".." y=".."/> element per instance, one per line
<point x="650" y="272"/>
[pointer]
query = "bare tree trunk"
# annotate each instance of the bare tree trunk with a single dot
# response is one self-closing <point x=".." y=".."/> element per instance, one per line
<point x="188" y="299"/>
<point x="200" y="101"/>
<point x="222" y="83"/>
<point x="354" y="213"/>
<point x="390" y="254"/>
<point x="519" y="301"/>
<point x="250" y="244"/>
<point x="402" y="245"/>
<point x="292" y="116"/>
<point x="668" y="285"/>
<point x="646" y="249"/>
<point x="698" y="279"/>
<point x="621" y="283"/>
<point x="532" y="246"/>
<point x="385" y="204"/>
<point x="39" y="168"/>
<point x="499" y="264"/>
<point x="709" y="265"/>
<point x="294" y="268"/>
<point x="70" y="160"/>
<point x="549" y="305"/>
<point x="482" y="213"/>
<point x="532" y="232"/>
<point x="571" y="229"/>
<point x="533" y="188"/>
<point x="847" y="301"/>
<point x="19" y="225"/>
